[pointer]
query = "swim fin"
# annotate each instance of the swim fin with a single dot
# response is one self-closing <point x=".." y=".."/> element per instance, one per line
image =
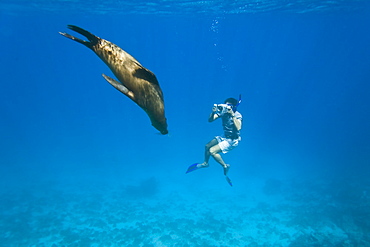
<point x="229" y="180"/>
<point x="193" y="167"/>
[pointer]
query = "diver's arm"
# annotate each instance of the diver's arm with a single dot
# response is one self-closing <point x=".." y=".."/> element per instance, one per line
<point x="237" y="122"/>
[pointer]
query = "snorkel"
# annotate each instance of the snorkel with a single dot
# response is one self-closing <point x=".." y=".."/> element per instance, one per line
<point x="239" y="101"/>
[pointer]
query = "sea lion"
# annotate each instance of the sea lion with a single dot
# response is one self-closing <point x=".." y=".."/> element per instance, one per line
<point x="135" y="81"/>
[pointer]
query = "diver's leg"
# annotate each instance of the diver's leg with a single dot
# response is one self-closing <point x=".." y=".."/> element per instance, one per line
<point x="207" y="154"/>
<point x="215" y="152"/>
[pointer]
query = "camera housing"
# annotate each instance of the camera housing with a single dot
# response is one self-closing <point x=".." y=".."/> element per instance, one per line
<point x="221" y="109"/>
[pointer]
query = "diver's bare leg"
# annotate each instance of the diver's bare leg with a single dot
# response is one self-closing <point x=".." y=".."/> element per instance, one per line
<point x="207" y="154"/>
<point x="215" y="152"/>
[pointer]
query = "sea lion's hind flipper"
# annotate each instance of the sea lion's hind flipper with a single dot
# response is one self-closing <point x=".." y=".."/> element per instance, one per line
<point x="119" y="86"/>
<point x="86" y="43"/>
<point x="93" y="40"/>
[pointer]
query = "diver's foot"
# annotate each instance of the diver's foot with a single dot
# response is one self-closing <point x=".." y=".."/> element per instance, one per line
<point x="196" y="166"/>
<point x="203" y="165"/>
<point x="226" y="169"/>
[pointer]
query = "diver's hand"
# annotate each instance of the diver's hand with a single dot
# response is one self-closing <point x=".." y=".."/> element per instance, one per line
<point x="214" y="115"/>
<point x="230" y="111"/>
<point x="214" y="109"/>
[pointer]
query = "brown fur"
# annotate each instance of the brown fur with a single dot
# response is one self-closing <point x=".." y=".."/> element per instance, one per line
<point x="135" y="81"/>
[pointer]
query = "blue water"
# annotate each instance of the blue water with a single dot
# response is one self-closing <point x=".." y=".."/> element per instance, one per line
<point x="81" y="165"/>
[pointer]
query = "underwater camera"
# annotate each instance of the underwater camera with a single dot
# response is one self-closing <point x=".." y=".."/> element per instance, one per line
<point x="221" y="109"/>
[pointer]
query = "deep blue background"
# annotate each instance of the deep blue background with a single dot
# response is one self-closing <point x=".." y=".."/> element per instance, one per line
<point x="304" y="79"/>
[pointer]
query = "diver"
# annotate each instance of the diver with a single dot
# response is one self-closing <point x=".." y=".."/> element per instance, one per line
<point x="232" y="124"/>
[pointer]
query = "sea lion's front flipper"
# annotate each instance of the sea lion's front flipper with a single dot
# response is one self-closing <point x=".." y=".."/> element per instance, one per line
<point x="146" y="75"/>
<point x="119" y="86"/>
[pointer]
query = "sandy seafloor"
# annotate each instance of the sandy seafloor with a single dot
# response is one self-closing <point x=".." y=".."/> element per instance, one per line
<point x="275" y="213"/>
